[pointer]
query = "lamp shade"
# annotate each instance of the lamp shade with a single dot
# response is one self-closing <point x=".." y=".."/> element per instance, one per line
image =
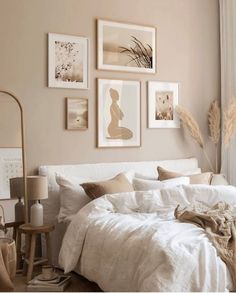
<point x="37" y="187"/>
<point x="17" y="187"/>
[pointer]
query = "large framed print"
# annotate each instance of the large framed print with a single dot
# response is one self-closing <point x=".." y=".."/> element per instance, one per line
<point x="68" y="61"/>
<point x="119" y="115"/>
<point x="126" y="47"/>
<point x="162" y="100"/>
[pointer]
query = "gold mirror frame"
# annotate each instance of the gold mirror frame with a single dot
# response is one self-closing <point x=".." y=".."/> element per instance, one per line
<point x="23" y="150"/>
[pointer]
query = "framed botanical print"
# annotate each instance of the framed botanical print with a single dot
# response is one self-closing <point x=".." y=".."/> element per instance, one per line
<point x="162" y="99"/>
<point x="77" y="113"/>
<point x="119" y="113"/>
<point x="68" y="63"/>
<point x="126" y="47"/>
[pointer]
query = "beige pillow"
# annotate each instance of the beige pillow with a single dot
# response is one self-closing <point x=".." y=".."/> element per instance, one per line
<point x="203" y="178"/>
<point x="119" y="183"/>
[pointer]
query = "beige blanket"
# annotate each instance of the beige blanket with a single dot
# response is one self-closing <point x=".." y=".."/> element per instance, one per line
<point x="5" y="268"/>
<point x="219" y="223"/>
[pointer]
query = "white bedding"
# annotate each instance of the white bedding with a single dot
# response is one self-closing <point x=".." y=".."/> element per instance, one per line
<point x="132" y="242"/>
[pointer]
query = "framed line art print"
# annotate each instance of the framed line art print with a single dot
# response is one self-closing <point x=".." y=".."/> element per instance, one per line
<point x="68" y="63"/>
<point x="162" y="99"/>
<point x="126" y="47"/>
<point x="76" y="113"/>
<point x="119" y="117"/>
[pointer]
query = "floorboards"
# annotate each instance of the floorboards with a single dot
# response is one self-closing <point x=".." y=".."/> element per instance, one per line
<point x="78" y="284"/>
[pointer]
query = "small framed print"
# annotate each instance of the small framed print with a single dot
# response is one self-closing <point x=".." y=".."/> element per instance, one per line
<point x="126" y="47"/>
<point x="68" y="61"/>
<point x="162" y="99"/>
<point x="119" y="115"/>
<point x="77" y="113"/>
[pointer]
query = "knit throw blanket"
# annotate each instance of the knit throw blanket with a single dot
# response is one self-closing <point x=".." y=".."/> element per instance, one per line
<point x="219" y="223"/>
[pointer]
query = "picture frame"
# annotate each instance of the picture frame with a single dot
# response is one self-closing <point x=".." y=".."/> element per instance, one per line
<point x="76" y="113"/>
<point x="162" y="100"/>
<point x="68" y="61"/>
<point x="126" y="47"/>
<point x="119" y="113"/>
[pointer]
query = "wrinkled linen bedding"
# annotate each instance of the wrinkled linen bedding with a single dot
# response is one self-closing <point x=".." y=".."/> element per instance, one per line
<point x="132" y="242"/>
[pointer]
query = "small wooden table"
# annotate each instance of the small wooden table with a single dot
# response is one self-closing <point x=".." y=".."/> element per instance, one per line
<point x="31" y="232"/>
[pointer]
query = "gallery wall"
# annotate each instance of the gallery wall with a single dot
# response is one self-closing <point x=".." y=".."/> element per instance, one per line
<point x="187" y="52"/>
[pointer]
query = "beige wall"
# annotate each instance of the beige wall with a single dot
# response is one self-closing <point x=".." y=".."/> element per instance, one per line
<point x="187" y="52"/>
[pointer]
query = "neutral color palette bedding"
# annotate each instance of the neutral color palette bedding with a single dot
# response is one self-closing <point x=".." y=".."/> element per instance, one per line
<point x="132" y="242"/>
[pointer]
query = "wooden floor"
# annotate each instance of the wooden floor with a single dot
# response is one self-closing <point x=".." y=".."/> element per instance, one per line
<point x="78" y="284"/>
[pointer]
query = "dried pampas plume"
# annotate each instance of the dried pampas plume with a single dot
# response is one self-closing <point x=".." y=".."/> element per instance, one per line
<point x="214" y="118"/>
<point x="191" y="124"/>
<point x="229" y="129"/>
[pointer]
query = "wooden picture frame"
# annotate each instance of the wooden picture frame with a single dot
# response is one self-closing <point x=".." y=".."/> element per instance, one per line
<point x="76" y="113"/>
<point x="126" y="47"/>
<point x="68" y="61"/>
<point x="119" y="113"/>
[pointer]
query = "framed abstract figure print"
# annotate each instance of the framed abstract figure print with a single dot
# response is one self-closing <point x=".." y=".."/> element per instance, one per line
<point x="119" y="113"/>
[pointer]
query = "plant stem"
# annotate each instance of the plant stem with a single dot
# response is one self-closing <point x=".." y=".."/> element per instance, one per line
<point x="216" y="153"/>
<point x="208" y="160"/>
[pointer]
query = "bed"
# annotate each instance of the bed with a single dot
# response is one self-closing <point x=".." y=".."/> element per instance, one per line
<point x="130" y="241"/>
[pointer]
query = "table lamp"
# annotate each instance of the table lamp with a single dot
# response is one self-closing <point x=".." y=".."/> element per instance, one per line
<point x="17" y="191"/>
<point x="37" y="189"/>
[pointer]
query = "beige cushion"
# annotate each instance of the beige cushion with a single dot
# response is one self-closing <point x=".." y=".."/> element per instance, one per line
<point x="203" y="178"/>
<point x="119" y="183"/>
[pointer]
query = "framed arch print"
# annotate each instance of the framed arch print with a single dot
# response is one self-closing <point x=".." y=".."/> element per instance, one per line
<point x="119" y="115"/>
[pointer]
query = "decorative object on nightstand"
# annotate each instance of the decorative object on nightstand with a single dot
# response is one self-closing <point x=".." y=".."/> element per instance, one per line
<point x="31" y="232"/>
<point x="17" y="191"/>
<point x="37" y="189"/>
<point x="49" y="280"/>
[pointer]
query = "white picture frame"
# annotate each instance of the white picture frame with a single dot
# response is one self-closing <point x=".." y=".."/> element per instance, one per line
<point x="68" y="61"/>
<point x="163" y="97"/>
<point x="119" y="113"/>
<point x="113" y="36"/>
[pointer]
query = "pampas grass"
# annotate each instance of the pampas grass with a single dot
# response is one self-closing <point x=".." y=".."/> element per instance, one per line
<point x="214" y="118"/>
<point x="214" y="124"/>
<point x="214" y="121"/>
<point x="229" y="129"/>
<point x="192" y="126"/>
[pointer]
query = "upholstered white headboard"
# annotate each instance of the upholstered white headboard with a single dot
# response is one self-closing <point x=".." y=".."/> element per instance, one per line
<point x="96" y="172"/>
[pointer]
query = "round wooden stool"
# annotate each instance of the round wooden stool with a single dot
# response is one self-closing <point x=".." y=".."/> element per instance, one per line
<point x="31" y="232"/>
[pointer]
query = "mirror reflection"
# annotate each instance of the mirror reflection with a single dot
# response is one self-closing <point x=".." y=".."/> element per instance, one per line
<point x="10" y="144"/>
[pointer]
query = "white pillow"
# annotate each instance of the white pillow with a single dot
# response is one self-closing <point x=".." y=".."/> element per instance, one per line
<point x="72" y="195"/>
<point x="144" y="185"/>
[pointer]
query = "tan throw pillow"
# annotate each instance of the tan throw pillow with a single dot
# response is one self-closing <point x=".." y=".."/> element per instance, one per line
<point x="119" y="183"/>
<point x="202" y="178"/>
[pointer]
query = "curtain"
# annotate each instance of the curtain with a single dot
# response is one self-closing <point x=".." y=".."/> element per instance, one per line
<point x="228" y="77"/>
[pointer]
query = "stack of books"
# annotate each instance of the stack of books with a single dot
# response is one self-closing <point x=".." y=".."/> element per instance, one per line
<point x="58" y="284"/>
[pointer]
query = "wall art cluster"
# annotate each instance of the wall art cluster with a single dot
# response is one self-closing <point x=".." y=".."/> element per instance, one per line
<point x="120" y="47"/>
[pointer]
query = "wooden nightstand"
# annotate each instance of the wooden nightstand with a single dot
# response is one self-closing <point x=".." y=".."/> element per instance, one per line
<point x="31" y="232"/>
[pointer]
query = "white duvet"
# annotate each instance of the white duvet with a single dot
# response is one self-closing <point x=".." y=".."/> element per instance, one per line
<point x="132" y="242"/>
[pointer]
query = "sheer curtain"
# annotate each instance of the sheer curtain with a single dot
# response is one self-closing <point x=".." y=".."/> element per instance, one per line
<point x="228" y="76"/>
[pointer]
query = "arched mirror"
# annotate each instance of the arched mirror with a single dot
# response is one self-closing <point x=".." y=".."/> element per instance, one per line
<point x="12" y="155"/>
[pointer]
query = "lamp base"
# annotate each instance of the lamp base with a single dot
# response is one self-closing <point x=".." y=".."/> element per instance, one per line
<point x="19" y="211"/>
<point x="36" y="214"/>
